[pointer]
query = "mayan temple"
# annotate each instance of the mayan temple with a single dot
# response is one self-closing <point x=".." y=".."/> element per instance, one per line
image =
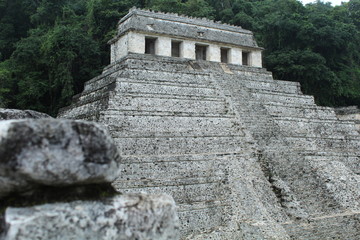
<point x="196" y="116"/>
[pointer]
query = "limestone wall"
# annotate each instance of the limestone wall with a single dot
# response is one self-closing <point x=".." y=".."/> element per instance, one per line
<point x="243" y="155"/>
<point x="179" y="134"/>
<point x="185" y="27"/>
<point x="138" y="25"/>
<point x="134" y="42"/>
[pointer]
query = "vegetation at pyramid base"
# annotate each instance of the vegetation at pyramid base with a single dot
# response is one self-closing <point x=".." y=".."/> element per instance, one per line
<point x="48" y="49"/>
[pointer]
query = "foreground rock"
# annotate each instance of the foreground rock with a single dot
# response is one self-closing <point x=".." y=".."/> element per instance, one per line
<point x="70" y="166"/>
<point x="6" y="114"/>
<point x="122" y="217"/>
<point x="51" y="152"/>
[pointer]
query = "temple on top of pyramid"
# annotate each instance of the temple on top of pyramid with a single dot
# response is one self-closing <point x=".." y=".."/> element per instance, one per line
<point x="171" y="35"/>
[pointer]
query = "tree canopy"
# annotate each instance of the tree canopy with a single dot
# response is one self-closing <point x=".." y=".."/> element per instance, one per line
<point x="48" y="49"/>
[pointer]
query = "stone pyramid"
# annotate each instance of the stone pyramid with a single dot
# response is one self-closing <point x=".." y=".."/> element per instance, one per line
<point x="244" y="156"/>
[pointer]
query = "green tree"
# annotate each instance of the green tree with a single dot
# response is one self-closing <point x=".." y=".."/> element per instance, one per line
<point x="171" y="6"/>
<point x="198" y="8"/>
<point x="354" y="12"/>
<point x="53" y="63"/>
<point x="101" y="19"/>
<point x="194" y="8"/>
<point x="14" y="24"/>
<point x="30" y="73"/>
<point x="309" y="69"/>
<point x="49" y="48"/>
<point x="71" y="57"/>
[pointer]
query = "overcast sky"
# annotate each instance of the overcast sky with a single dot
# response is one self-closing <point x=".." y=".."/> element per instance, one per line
<point x="333" y="2"/>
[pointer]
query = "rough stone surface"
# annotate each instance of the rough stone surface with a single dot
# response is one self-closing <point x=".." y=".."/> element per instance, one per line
<point x="140" y="25"/>
<point x="244" y="156"/>
<point x="180" y="26"/>
<point x="53" y="152"/>
<point x="179" y="134"/>
<point x="7" y="114"/>
<point x="351" y="113"/>
<point x="127" y="217"/>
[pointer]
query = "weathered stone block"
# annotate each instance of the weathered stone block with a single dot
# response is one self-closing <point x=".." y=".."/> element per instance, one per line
<point x="126" y="217"/>
<point x="54" y="152"/>
<point x="7" y="114"/>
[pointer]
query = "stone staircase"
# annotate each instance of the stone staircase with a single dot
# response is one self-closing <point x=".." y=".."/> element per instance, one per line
<point x="178" y="134"/>
<point x="308" y="149"/>
<point x="344" y="225"/>
<point x="243" y="155"/>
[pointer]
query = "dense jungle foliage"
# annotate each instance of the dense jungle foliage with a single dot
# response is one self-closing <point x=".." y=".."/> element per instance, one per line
<point x="48" y="48"/>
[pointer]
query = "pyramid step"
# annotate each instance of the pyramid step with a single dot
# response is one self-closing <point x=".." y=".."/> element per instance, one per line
<point x="181" y="145"/>
<point x="257" y="78"/>
<point x="132" y="126"/>
<point x="351" y="162"/>
<point x="303" y="111"/>
<point x="272" y="86"/>
<point x="327" y="153"/>
<point x="344" y="225"/>
<point x="305" y="183"/>
<point x="201" y="133"/>
<point x="160" y="103"/>
<point x="89" y="97"/>
<point x="252" y="77"/>
<point x="85" y="109"/>
<point x="119" y="112"/>
<point x="315" y="127"/>
<point x="182" y="190"/>
<point x="100" y="83"/>
<point x="216" y="156"/>
<point x="266" y="96"/>
<point x="286" y="82"/>
<point x="243" y="68"/>
<point x="330" y="152"/>
<point x="305" y="187"/>
<point x="254" y="119"/>
<point x="152" y="63"/>
<point x="339" y="180"/>
<point x="190" y="78"/>
<point x="124" y="86"/>
<point x="345" y="142"/>
<point x="185" y="188"/>
<point x="248" y="74"/>
<point x="211" y="169"/>
<point x="167" y="82"/>
<point x="350" y="145"/>
<point x="207" y="214"/>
